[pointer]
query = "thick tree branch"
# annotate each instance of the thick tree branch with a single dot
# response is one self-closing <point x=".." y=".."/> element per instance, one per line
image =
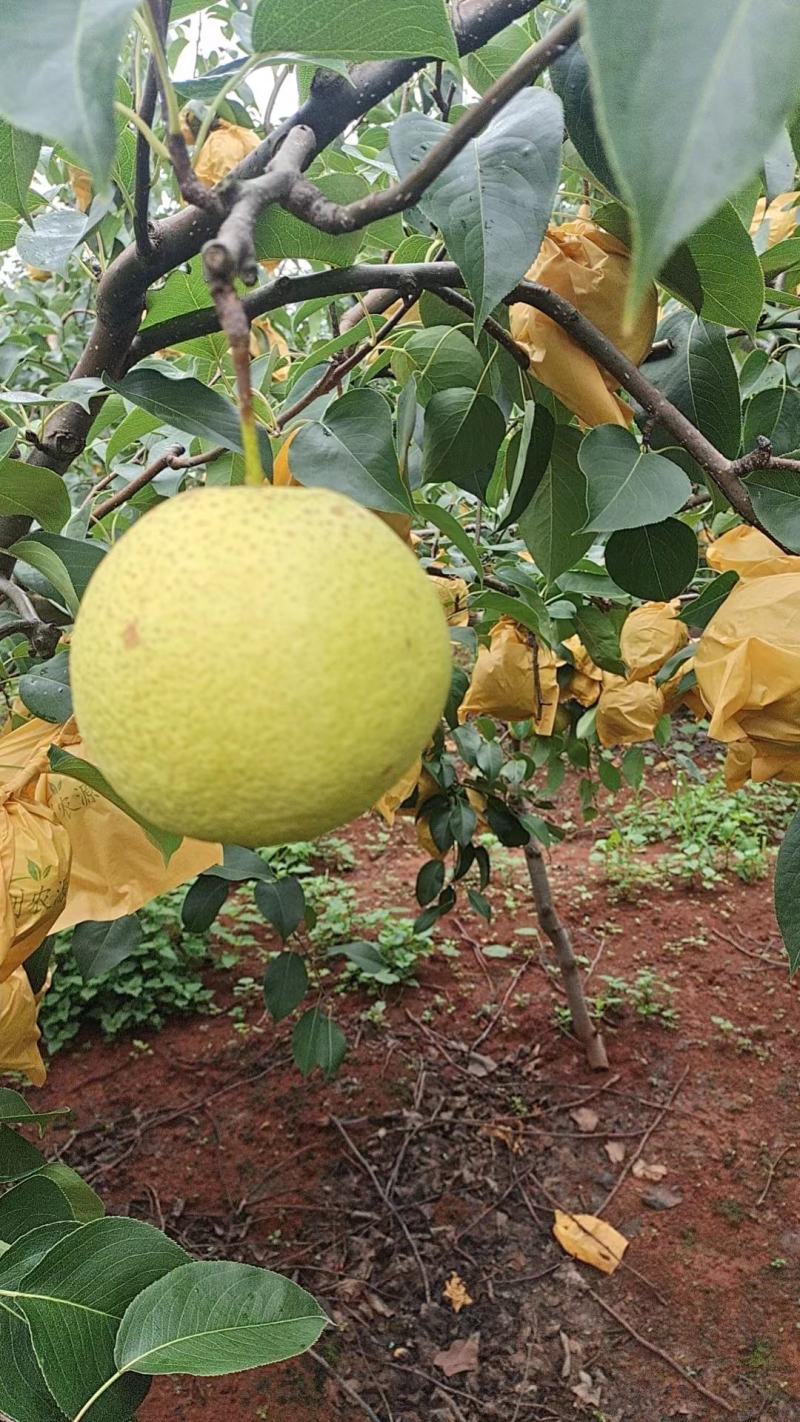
<point x="231" y="253"/>
<point x="305" y="201"/>
<point x="332" y="106"/>
<point x="432" y="276"/>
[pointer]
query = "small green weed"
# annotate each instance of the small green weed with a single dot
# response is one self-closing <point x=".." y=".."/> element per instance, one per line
<point x="648" y="996"/>
<point x="163" y="978"/>
<point x="714" y="830"/>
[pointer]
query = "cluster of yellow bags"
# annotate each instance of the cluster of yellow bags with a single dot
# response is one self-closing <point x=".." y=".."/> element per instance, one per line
<point x="66" y="855"/>
<point x="591" y="269"/>
<point x="748" y="660"/>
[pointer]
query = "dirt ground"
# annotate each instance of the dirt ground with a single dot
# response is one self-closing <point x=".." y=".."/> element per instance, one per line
<point x="446" y="1142"/>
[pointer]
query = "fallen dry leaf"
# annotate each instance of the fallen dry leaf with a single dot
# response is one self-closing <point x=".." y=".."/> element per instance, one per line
<point x="590" y="1239"/>
<point x="585" y="1119"/>
<point x="615" y="1150"/>
<point x="586" y="1391"/>
<point x="509" y="1135"/>
<point x="460" y="1357"/>
<point x="660" y="1198"/>
<point x="645" y="1170"/>
<point x="455" y="1291"/>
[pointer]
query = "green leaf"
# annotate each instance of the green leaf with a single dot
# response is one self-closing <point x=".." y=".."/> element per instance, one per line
<point x="494" y="200"/>
<point x="29" y="489"/>
<point x="699" y="612"/>
<point x="51" y="237"/>
<point x="210" y="1318"/>
<point x="727" y="265"/>
<point x="285" y="985"/>
<point x="282" y="904"/>
<point x="530" y="450"/>
<point x="787" y="893"/>
<point x="553" y="523"/>
<point x="440" y="357"/>
<point x="656" y="562"/>
<point x="24" y="1395"/>
<point x="775" y="495"/>
<point x="463" y="822"/>
<point x="99" y="947"/>
<point x="318" y="1042"/>
<point x="279" y="235"/>
<point x="64" y="763"/>
<point x="774" y="413"/>
<point x="239" y="864"/>
<point x="367" y="957"/>
<point x="14" y="1107"/>
<point x="781" y="258"/>
<point x="37" y="965"/>
<point x="599" y="633"/>
<point x="452" y="529"/>
<point x="74" y="1299"/>
<point x="573" y="84"/>
<point x="17" y="1156"/>
<point x="351" y="449"/>
<point x="700" y="378"/>
<point x="485" y="66"/>
<point x="189" y="406"/>
<point x="626" y="488"/>
<point x="45" y="689"/>
<point x="67" y="563"/>
<point x="430" y="881"/>
<point x="480" y="904"/>
<point x="463" y="432"/>
<point x="58" y="75"/>
<point x="633" y="766"/>
<point x="19" y="154"/>
<point x="129" y="430"/>
<point x="363" y="29"/>
<point x="675" y="81"/>
<point x="506" y="825"/>
<point x="530" y="612"/>
<point x="203" y="902"/>
<point x="54" y="1193"/>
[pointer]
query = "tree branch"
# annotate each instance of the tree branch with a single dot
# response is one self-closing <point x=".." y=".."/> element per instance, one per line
<point x="432" y="276"/>
<point x="340" y="367"/>
<point x="490" y="326"/>
<point x="147" y="109"/>
<point x="332" y="106"/>
<point x="171" y="460"/>
<point x="305" y="201"/>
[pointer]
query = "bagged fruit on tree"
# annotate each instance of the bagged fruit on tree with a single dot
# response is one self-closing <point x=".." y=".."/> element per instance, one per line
<point x="748" y="552"/>
<point x="453" y="594"/>
<point x="19" y="1033"/>
<point x="586" y="681"/>
<point x="115" y="869"/>
<point x="651" y="634"/>
<point x="748" y="671"/>
<point x="35" y="857"/>
<point x="81" y="185"/>
<point x="389" y="803"/>
<point x="591" y="269"/>
<point x="628" y="711"/>
<point x="514" y="679"/>
<point x="780" y="217"/>
<point x="224" y="148"/>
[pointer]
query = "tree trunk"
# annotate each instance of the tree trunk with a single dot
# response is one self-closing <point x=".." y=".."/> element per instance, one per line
<point x="556" y="931"/>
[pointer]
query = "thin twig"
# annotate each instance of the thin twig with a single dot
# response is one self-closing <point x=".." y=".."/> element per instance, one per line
<point x="345" y="1387"/>
<point x="147" y="108"/>
<point x="758" y="957"/>
<point x="659" y="1352"/>
<point x="332" y="377"/>
<point x="773" y="1165"/>
<point x="140" y="481"/>
<point x="492" y="327"/>
<point x="493" y="1021"/>
<point x="643" y="1142"/>
<point x="365" y="1165"/>
<point x="304" y="200"/>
